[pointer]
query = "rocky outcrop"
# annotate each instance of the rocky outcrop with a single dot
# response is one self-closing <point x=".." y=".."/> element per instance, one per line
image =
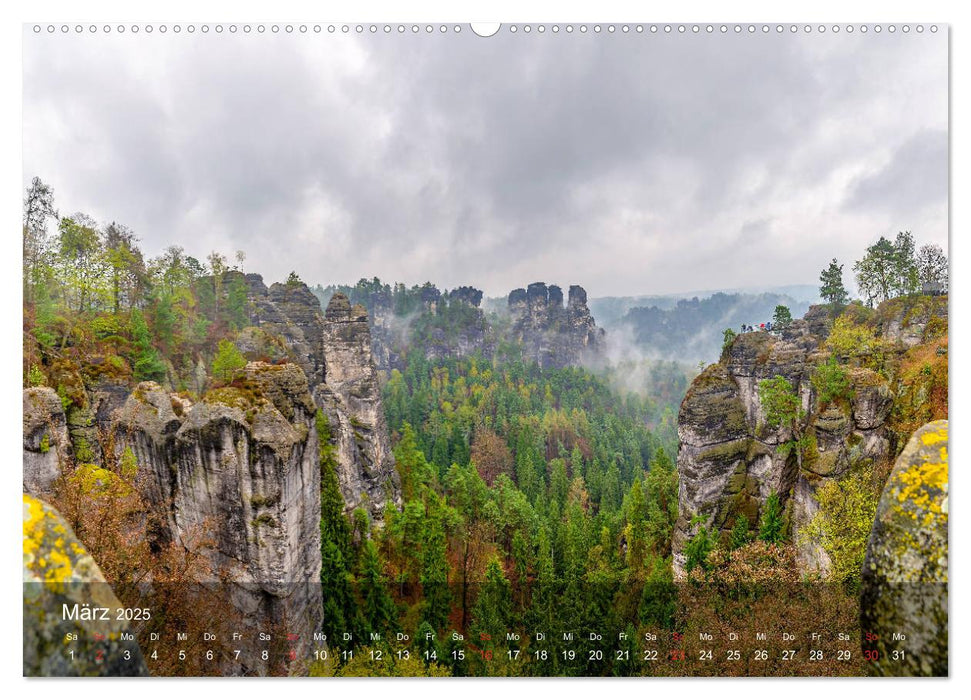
<point x="469" y="296"/>
<point x="903" y="605"/>
<point x="239" y="468"/>
<point x="46" y="442"/>
<point x="909" y="321"/>
<point x="551" y="334"/>
<point x="447" y="324"/>
<point x="335" y="351"/>
<point x="291" y="312"/>
<point x="61" y="580"/>
<point x="351" y="399"/>
<point x="730" y="460"/>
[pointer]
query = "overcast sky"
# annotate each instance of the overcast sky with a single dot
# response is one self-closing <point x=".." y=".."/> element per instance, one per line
<point x="630" y="164"/>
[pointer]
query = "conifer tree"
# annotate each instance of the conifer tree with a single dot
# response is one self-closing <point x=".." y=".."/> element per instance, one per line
<point x="831" y="287"/>
<point x="771" y="525"/>
<point x="378" y="608"/>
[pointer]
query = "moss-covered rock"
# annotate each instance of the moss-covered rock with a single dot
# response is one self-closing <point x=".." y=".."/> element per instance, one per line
<point x="905" y="573"/>
<point x="259" y="344"/>
<point x="60" y="581"/>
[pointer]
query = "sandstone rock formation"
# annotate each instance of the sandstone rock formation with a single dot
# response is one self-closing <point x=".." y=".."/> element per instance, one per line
<point x="241" y="466"/>
<point x="60" y="575"/>
<point x="905" y="573"/>
<point x="291" y="312"/>
<point x="46" y="441"/>
<point x="351" y="400"/>
<point x="335" y="351"/>
<point x="551" y="334"/>
<point x="729" y="459"/>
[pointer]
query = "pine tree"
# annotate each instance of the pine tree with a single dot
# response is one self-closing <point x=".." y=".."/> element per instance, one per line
<point x="831" y="287"/>
<point x="559" y="482"/>
<point x="378" y="607"/>
<point x="659" y="596"/>
<point x="436" y="592"/>
<point x="148" y="365"/>
<point x="739" y="536"/>
<point x="698" y="548"/>
<point x="414" y="470"/>
<point x="492" y="612"/>
<point x="772" y="525"/>
<point x="340" y="608"/>
<point x="237" y="302"/>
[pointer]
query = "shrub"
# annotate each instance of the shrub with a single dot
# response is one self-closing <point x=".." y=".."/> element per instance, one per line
<point x="35" y="377"/>
<point x="228" y="361"/>
<point x="846" y="510"/>
<point x="831" y="383"/>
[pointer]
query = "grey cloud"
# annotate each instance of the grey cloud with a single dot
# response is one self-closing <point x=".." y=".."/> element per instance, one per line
<point x="915" y="177"/>
<point x="627" y="163"/>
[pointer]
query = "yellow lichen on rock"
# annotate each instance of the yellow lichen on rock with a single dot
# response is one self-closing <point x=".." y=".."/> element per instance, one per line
<point x="905" y="574"/>
<point x="60" y="578"/>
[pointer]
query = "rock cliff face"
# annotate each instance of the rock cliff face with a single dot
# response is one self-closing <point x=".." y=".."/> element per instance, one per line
<point x="351" y="400"/>
<point x="240" y="467"/>
<point x="58" y="572"/>
<point x="292" y="313"/>
<point x="551" y="334"/>
<point x="334" y="349"/>
<point x="729" y="459"/>
<point x="46" y="441"/>
<point x="905" y="573"/>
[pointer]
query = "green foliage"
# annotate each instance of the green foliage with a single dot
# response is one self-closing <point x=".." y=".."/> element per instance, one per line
<point x="45" y="443"/>
<point x="35" y="377"/>
<point x="831" y="382"/>
<point x="540" y="414"/>
<point x="772" y="523"/>
<point x="831" y="287"/>
<point x="148" y="363"/>
<point x="780" y="402"/>
<point x="659" y="595"/>
<point x="740" y="535"/>
<point x="661" y="506"/>
<point x="728" y="337"/>
<point x="842" y="526"/>
<point x="336" y="553"/>
<point x="783" y="408"/>
<point x="227" y="362"/>
<point x="856" y="342"/>
<point x="492" y="614"/>
<point x="888" y="269"/>
<point x="698" y="548"/>
<point x="83" y="451"/>
<point x="377" y="606"/>
<point x="414" y="470"/>
<point x="781" y="317"/>
<point x="237" y="304"/>
<point x="293" y="280"/>
<point x="435" y="586"/>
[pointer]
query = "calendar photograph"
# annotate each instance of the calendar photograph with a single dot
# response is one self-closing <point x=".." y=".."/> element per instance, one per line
<point x="514" y="350"/>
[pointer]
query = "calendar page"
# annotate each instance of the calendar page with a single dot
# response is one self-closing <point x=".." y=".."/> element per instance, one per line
<point x="536" y="350"/>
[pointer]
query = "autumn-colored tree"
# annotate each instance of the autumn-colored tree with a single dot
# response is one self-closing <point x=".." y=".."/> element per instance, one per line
<point x="490" y="455"/>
